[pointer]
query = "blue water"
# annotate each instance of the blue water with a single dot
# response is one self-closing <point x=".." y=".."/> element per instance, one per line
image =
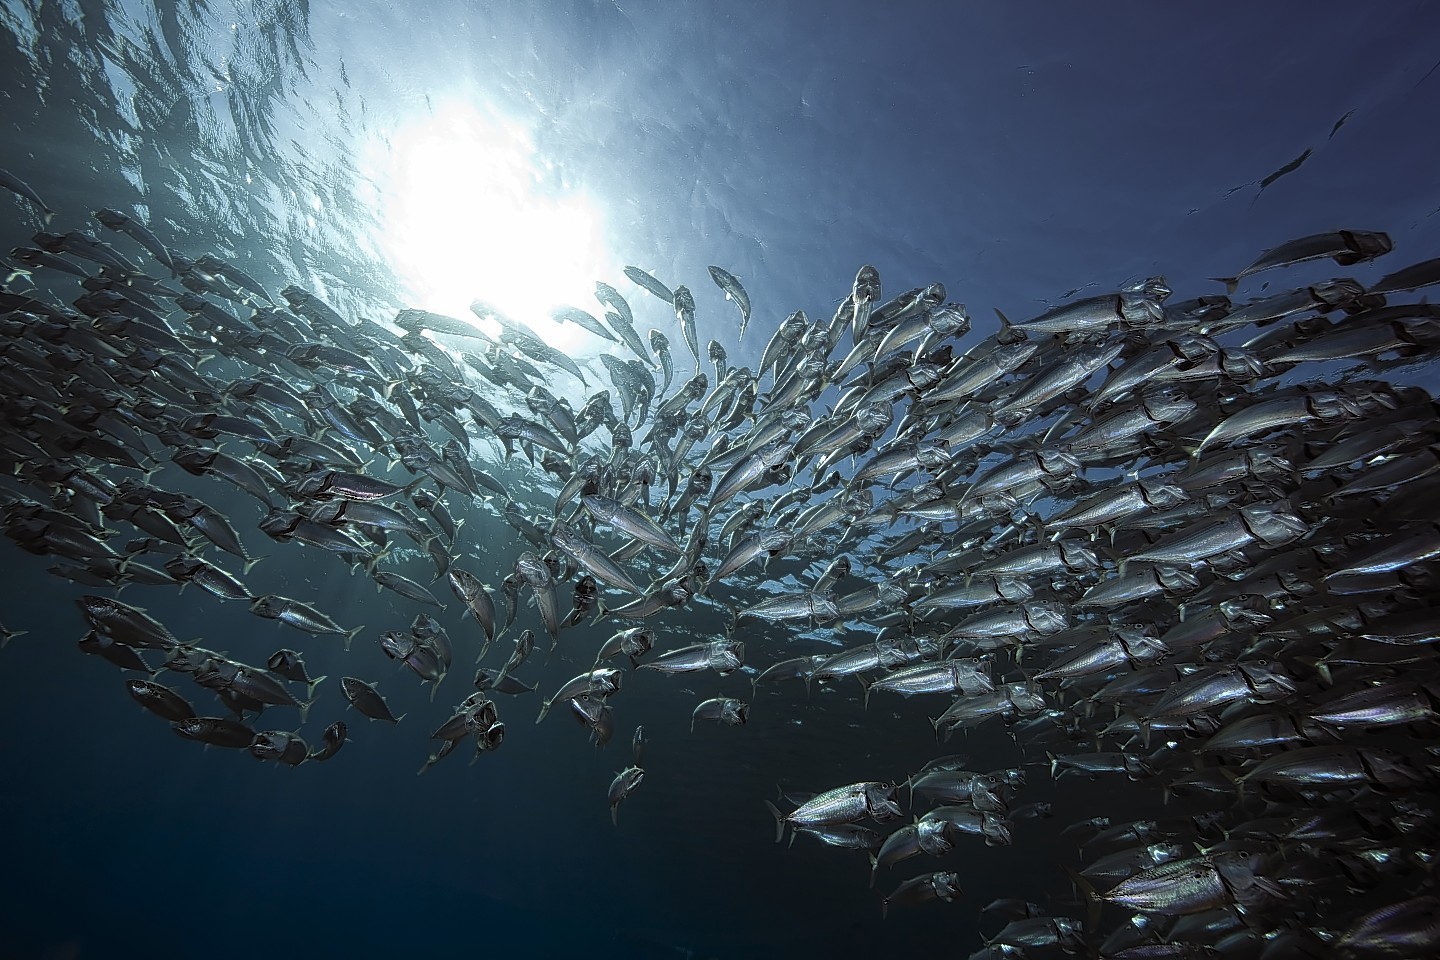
<point x="1014" y="152"/>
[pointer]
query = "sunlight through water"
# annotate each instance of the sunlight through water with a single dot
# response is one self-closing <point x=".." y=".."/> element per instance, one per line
<point x="468" y="211"/>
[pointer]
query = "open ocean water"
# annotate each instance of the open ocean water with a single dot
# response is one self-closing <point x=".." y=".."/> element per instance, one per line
<point x="392" y="155"/>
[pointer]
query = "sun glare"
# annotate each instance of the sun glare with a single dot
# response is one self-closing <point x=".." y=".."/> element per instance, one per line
<point x="467" y="214"/>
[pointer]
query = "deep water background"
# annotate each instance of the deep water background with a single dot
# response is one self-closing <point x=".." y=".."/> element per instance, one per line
<point x="1014" y="152"/>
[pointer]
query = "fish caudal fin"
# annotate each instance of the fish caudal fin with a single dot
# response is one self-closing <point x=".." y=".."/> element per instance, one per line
<point x="779" y="821"/>
<point x="1092" y="899"/>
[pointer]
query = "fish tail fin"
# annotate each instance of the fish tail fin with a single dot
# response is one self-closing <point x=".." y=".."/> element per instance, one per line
<point x="867" y="688"/>
<point x="350" y="635"/>
<point x="310" y="687"/>
<point x="1054" y="763"/>
<point x="779" y="821"/>
<point x="1230" y="282"/>
<point x="874" y="868"/>
<point x="11" y="635"/>
<point x="1092" y="899"/>
<point x="1235" y="779"/>
<point x="1321" y="668"/>
<point x="1143" y="724"/>
<point x="615" y="814"/>
<point x="544" y="709"/>
<point x="245" y="568"/>
<point x="305" y="706"/>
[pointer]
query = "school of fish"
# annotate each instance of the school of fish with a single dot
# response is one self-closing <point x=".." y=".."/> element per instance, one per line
<point x="1187" y="543"/>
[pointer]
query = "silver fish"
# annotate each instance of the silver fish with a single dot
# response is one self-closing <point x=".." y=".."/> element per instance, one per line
<point x="470" y="591"/>
<point x="654" y="286"/>
<point x="624" y="784"/>
<point x="600" y="682"/>
<point x="942" y="885"/>
<point x="24" y="191"/>
<point x="1345" y="247"/>
<point x="629" y="521"/>
<point x="365" y="698"/>
<point x="871" y="798"/>
<point x="1181" y="887"/>
<point x="725" y="710"/>
<point x="729" y="283"/>
<point x="301" y="616"/>
<point x="685" y="313"/>
<point x="592" y="558"/>
<point x="722" y="656"/>
<point x="537" y="575"/>
<point x="582" y="319"/>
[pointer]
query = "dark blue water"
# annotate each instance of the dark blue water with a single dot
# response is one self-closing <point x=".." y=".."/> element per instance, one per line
<point x="1014" y="154"/>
